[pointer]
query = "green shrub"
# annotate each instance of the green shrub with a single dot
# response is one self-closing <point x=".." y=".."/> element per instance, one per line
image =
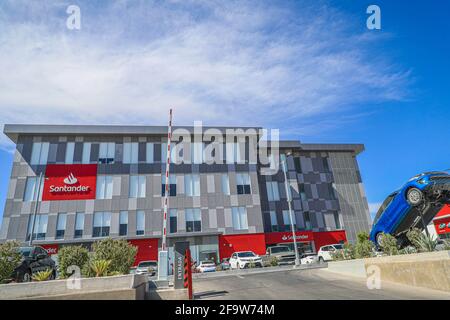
<point x="389" y="244"/>
<point x="10" y="258"/>
<point x="42" y="275"/>
<point x="347" y="253"/>
<point x="72" y="256"/>
<point x="100" y="268"/>
<point x="422" y="242"/>
<point x="364" y="247"/>
<point x="273" y="262"/>
<point x="118" y="251"/>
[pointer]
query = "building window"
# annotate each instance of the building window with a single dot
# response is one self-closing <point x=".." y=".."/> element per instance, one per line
<point x="40" y="226"/>
<point x="243" y="183"/>
<point x="326" y="167"/>
<point x="130" y="152"/>
<point x="192" y="185"/>
<point x="298" y="165"/>
<point x="102" y="224"/>
<point x="137" y="186"/>
<point x="86" y="157"/>
<point x="61" y="226"/>
<point x="39" y="153"/>
<point x="70" y="149"/>
<point x="301" y="191"/>
<point x="140" y="222"/>
<point x="337" y="222"/>
<point x="106" y="152"/>
<point x="287" y="220"/>
<point x="233" y="152"/>
<point x="123" y="223"/>
<point x="149" y="156"/>
<point x="239" y="217"/>
<point x="331" y="192"/>
<point x="193" y="220"/>
<point x="172" y="185"/>
<point x="31" y="191"/>
<point x="307" y="220"/>
<point x="272" y="191"/>
<point x="225" y="184"/>
<point x="197" y="152"/>
<point x="104" y="187"/>
<point x="173" y="220"/>
<point x="273" y="221"/>
<point x="79" y="225"/>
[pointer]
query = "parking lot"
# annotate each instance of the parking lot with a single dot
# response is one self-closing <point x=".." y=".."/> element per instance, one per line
<point x="302" y="285"/>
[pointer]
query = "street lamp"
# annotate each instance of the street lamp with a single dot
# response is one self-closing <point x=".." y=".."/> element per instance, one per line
<point x="288" y="195"/>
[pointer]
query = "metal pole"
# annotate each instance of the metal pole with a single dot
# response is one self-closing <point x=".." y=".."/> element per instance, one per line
<point x="297" y="259"/>
<point x="38" y="195"/>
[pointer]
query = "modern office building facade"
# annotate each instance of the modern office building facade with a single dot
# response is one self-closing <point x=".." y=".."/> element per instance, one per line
<point x="108" y="181"/>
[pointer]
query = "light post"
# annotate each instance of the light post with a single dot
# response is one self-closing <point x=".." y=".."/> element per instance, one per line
<point x="37" y="192"/>
<point x="288" y="195"/>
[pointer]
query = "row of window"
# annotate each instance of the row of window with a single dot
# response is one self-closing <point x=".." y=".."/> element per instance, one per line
<point x="102" y="223"/>
<point x="137" y="186"/>
<point x="286" y="226"/>
<point x="273" y="193"/>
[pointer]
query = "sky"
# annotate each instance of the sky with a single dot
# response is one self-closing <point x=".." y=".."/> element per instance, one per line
<point x="310" y="68"/>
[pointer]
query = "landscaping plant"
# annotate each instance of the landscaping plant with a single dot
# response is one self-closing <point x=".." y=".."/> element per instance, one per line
<point x="72" y="256"/>
<point x="422" y="242"/>
<point x="119" y="252"/>
<point x="100" y="267"/>
<point x="42" y="275"/>
<point x="364" y="248"/>
<point x="389" y="244"/>
<point x="10" y="258"/>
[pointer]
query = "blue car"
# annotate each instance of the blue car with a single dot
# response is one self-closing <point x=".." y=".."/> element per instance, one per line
<point x="412" y="206"/>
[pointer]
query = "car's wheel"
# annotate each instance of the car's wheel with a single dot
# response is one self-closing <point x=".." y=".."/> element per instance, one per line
<point x="26" y="277"/>
<point x="414" y="197"/>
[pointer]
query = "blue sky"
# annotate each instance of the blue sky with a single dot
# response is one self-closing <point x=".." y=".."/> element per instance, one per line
<point x="310" y="68"/>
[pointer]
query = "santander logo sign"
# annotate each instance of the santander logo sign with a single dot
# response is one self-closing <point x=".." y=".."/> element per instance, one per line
<point x="70" y="182"/>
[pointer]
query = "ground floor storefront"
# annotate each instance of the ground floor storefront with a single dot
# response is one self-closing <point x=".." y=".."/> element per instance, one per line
<point x="217" y="247"/>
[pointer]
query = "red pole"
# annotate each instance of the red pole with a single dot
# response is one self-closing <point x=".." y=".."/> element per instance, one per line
<point x="188" y="271"/>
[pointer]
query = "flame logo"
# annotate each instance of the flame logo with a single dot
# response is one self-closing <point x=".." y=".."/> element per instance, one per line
<point x="70" y="179"/>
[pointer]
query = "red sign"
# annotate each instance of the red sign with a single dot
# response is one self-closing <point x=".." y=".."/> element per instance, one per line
<point x="284" y="237"/>
<point x="70" y="182"/>
<point x="442" y="225"/>
<point x="50" y="248"/>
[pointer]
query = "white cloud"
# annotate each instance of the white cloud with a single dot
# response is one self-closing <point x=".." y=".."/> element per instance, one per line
<point x="229" y="62"/>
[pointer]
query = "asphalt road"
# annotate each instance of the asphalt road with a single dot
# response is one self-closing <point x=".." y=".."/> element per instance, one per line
<point x="302" y="285"/>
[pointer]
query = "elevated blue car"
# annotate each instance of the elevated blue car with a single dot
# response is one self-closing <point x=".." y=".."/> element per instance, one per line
<point x="414" y="205"/>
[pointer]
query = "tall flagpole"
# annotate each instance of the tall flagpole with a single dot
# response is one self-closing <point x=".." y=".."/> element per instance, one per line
<point x="163" y="257"/>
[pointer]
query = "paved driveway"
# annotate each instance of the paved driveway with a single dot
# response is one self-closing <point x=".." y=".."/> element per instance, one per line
<point x="303" y="284"/>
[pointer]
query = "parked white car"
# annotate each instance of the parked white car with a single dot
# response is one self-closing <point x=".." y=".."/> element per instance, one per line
<point x="147" y="267"/>
<point x="206" y="266"/>
<point x="308" y="258"/>
<point x="242" y="259"/>
<point x="325" y="252"/>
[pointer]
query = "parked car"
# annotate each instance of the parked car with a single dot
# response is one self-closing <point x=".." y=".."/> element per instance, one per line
<point x="307" y="258"/>
<point x="206" y="266"/>
<point x="283" y="254"/>
<point x="34" y="259"/>
<point x="225" y="264"/>
<point x="147" y="267"/>
<point x="414" y="205"/>
<point x="243" y="259"/>
<point x="325" y="252"/>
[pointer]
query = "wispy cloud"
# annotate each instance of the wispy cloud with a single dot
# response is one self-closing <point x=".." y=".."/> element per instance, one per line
<point x="224" y="62"/>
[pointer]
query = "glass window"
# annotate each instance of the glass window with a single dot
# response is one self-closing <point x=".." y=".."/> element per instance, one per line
<point x="384" y="205"/>
<point x="331" y="191"/>
<point x="60" y="226"/>
<point x="40" y="226"/>
<point x="39" y="153"/>
<point x="137" y="186"/>
<point x="336" y="220"/>
<point x="239" y="217"/>
<point x="172" y="185"/>
<point x="273" y="221"/>
<point x="31" y="191"/>
<point x="272" y="191"/>
<point x="243" y="183"/>
<point x="123" y="223"/>
<point x="326" y="167"/>
<point x="79" y="224"/>
<point x="70" y="148"/>
<point x="301" y="191"/>
<point x="102" y="224"/>
<point x="307" y="220"/>
<point x="140" y="222"/>
<point x="225" y="184"/>
<point x="130" y="152"/>
<point x="106" y="152"/>
<point x="86" y="158"/>
<point x="192" y="185"/>
<point x="197" y="152"/>
<point x="287" y="220"/>
<point x="149" y="152"/>
<point x="173" y="220"/>
<point x="104" y="187"/>
<point x="193" y="220"/>
<point x="298" y="165"/>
